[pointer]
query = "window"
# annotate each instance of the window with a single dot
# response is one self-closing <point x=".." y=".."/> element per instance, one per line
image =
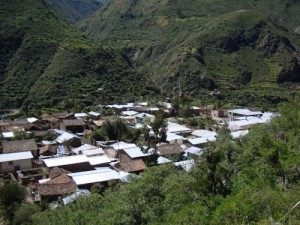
<point x="10" y="163"/>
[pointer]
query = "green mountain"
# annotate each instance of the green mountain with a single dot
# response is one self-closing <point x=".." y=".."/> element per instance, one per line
<point x="45" y="62"/>
<point x="238" y="50"/>
<point x="76" y="10"/>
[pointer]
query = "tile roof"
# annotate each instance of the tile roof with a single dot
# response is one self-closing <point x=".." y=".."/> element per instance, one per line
<point x="56" y="171"/>
<point x="131" y="166"/>
<point x="77" y="122"/>
<point x="59" y="185"/>
<point x="19" y="146"/>
<point x="168" y="149"/>
<point x="62" y="115"/>
<point x="48" y="148"/>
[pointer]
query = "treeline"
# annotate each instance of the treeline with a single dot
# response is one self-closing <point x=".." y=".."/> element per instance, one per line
<point x="254" y="180"/>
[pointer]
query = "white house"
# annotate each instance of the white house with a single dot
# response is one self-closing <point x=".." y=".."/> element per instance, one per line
<point x="11" y="162"/>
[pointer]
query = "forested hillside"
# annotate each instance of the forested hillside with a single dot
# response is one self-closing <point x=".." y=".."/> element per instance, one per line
<point x="240" y="51"/>
<point x="254" y="180"/>
<point x="46" y="62"/>
<point x="76" y="10"/>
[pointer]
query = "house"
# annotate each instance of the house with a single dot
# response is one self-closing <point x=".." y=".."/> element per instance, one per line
<point x="130" y="160"/>
<point x="20" y="146"/>
<point x="219" y="113"/>
<point x="48" y="150"/>
<point x="186" y="165"/>
<point x="71" y="140"/>
<point x="173" y="138"/>
<point x="50" y="120"/>
<point x="8" y="135"/>
<point x="11" y="162"/>
<point x="94" y="115"/>
<point x="144" y="118"/>
<point x="239" y="134"/>
<point x="131" y="166"/>
<point x="88" y="149"/>
<point x="57" y="187"/>
<point x="129" y="113"/>
<point x="243" y="113"/>
<point x="74" y="163"/>
<point x="81" y="115"/>
<point x="177" y="128"/>
<point x="74" y="126"/>
<point x="169" y="149"/>
<point x="200" y="142"/>
<point x="63" y="115"/>
<point x="100" y="175"/>
<point x="204" y="133"/>
<point x="193" y="151"/>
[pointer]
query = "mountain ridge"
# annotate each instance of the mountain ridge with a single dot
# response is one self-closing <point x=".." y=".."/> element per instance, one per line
<point x="202" y="46"/>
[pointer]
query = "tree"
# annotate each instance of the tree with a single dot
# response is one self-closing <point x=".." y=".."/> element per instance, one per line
<point x="24" y="214"/>
<point x="11" y="196"/>
<point x="159" y="127"/>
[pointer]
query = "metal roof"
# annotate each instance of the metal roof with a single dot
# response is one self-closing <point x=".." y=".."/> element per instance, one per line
<point x="197" y="141"/>
<point x="204" y="133"/>
<point x="238" y="134"/>
<point x="134" y="152"/>
<point x="187" y="165"/>
<point x="65" y="137"/>
<point x="15" y="156"/>
<point x="245" y="112"/>
<point x="83" y="148"/>
<point x="177" y="128"/>
<point x="194" y="150"/>
<point x="95" y="176"/>
<point x="66" y="160"/>
<point x="123" y="145"/>
<point x="98" y="160"/>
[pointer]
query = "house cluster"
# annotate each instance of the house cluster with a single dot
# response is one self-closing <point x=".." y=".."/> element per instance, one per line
<point x="55" y="160"/>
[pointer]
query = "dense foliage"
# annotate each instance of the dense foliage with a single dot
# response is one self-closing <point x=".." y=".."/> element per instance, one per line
<point x="254" y="180"/>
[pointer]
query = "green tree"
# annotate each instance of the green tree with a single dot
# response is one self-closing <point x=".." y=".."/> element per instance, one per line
<point x="11" y="196"/>
<point x="24" y="213"/>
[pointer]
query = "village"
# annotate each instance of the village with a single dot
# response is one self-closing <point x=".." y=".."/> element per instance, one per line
<point x="56" y="159"/>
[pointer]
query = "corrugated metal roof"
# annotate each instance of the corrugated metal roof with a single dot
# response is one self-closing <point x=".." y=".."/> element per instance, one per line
<point x="98" y="160"/>
<point x="204" y="133"/>
<point x="66" y="160"/>
<point x="238" y="134"/>
<point x="197" y="141"/>
<point x="95" y="176"/>
<point x="123" y="145"/>
<point x="15" y="156"/>
<point x="83" y="148"/>
<point x="245" y="112"/>
<point x="162" y="160"/>
<point x="65" y="137"/>
<point x="187" y="165"/>
<point x="194" y="150"/>
<point x="177" y="128"/>
<point x="134" y="152"/>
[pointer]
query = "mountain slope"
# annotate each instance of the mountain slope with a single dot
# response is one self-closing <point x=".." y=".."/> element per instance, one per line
<point x="76" y="10"/>
<point x="46" y="62"/>
<point x="233" y="48"/>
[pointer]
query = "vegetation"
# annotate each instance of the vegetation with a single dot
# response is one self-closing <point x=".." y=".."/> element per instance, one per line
<point x="254" y="180"/>
<point x="237" y="51"/>
<point x="76" y="10"/>
<point x="48" y="63"/>
<point x="11" y="196"/>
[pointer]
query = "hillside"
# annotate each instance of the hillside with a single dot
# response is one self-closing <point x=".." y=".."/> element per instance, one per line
<point x="241" y="51"/>
<point x="76" y="10"/>
<point x="46" y="62"/>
